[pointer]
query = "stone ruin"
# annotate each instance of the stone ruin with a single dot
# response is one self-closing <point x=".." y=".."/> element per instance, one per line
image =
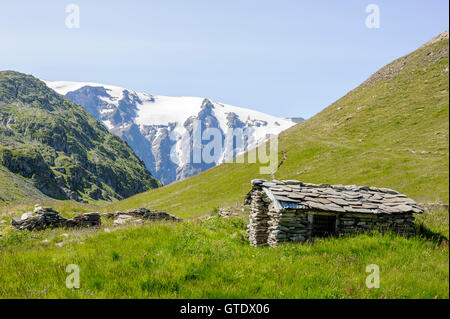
<point x="138" y="216"/>
<point x="292" y="211"/>
<point x="46" y="217"/>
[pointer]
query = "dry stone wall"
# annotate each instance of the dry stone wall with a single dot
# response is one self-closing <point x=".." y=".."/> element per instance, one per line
<point x="399" y="223"/>
<point x="289" y="225"/>
<point x="143" y="213"/>
<point x="139" y="216"/>
<point x="257" y="229"/>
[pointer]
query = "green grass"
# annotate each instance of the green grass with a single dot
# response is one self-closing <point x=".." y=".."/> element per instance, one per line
<point x="210" y="259"/>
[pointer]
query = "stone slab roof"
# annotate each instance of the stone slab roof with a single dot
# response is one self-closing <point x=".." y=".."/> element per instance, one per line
<point x="336" y="198"/>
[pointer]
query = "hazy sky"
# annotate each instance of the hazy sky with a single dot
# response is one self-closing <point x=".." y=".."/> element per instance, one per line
<point x="286" y="58"/>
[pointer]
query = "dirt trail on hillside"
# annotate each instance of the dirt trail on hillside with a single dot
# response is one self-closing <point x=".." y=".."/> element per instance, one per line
<point x="272" y="175"/>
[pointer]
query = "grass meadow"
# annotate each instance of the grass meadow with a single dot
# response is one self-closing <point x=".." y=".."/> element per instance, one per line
<point x="212" y="259"/>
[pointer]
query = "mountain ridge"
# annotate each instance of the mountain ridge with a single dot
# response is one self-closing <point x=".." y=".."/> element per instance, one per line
<point x="59" y="148"/>
<point x="157" y="127"/>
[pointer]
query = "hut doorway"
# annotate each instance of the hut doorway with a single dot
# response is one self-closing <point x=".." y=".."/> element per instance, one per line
<point x="323" y="225"/>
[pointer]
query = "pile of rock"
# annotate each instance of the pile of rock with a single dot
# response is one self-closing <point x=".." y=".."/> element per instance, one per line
<point x="46" y="217"/>
<point x="86" y="220"/>
<point x="138" y="216"/>
<point x="228" y="212"/>
<point x="123" y="219"/>
<point x="258" y="227"/>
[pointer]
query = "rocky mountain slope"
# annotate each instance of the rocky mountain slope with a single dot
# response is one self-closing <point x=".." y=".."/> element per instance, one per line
<point x="392" y="131"/>
<point x="50" y="146"/>
<point x="160" y="128"/>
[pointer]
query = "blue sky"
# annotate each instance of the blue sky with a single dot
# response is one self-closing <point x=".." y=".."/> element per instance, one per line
<point x="285" y="58"/>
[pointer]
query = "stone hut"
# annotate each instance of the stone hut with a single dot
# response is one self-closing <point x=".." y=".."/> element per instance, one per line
<point x="284" y="211"/>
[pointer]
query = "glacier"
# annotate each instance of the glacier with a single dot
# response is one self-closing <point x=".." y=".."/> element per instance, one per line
<point x="159" y="128"/>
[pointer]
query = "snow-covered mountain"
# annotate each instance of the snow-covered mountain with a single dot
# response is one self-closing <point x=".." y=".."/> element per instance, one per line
<point x="161" y="129"/>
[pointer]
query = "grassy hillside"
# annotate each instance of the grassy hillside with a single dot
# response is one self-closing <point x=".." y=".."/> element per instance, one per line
<point x="392" y="131"/>
<point x="54" y="145"/>
<point x="15" y="188"/>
